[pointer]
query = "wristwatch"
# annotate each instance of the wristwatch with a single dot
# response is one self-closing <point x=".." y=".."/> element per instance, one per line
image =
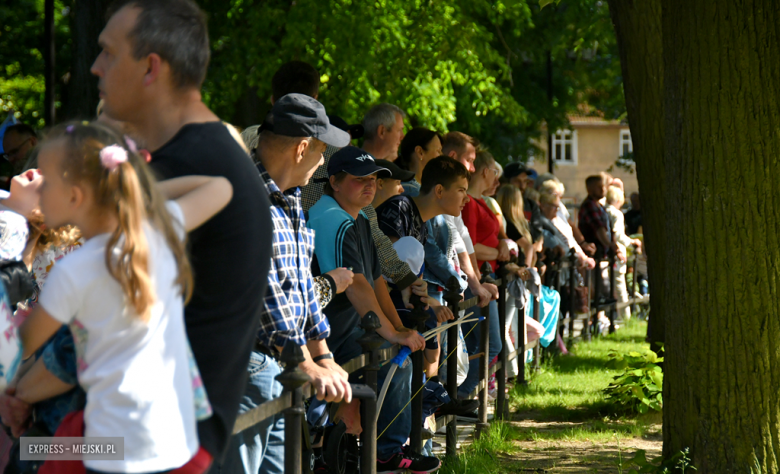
<point x="320" y="357"/>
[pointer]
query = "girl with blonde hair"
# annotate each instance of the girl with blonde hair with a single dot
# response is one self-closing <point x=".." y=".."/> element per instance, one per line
<point x="122" y="292"/>
<point x="510" y="199"/>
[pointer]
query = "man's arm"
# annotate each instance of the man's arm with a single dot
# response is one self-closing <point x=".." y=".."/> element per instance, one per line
<point x="392" y="266"/>
<point x="601" y="234"/>
<point x="485" y="291"/>
<point x="364" y="299"/>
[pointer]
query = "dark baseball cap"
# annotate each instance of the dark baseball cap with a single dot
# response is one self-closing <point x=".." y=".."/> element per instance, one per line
<point x="355" y="131"/>
<point x="515" y="169"/>
<point x="298" y="115"/>
<point x="356" y="162"/>
<point x="396" y="172"/>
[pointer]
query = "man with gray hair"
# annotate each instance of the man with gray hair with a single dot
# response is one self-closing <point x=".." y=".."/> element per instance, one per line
<point x="384" y="130"/>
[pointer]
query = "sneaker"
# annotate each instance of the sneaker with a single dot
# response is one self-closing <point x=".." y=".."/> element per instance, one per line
<point x="457" y="407"/>
<point x="408" y="462"/>
<point x="470" y="417"/>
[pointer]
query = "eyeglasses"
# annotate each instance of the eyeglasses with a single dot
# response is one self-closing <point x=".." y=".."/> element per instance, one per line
<point x="14" y="151"/>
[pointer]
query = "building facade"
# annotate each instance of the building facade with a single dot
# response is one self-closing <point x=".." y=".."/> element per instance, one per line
<point x="591" y="146"/>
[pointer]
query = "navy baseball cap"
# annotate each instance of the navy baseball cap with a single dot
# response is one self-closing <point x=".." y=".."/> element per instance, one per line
<point x="298" y="115"/>
<point x="396" y="172"/>
<point x="355" y="131"/>
<point x="516" y="168"/>
<point x="356" y="162"/>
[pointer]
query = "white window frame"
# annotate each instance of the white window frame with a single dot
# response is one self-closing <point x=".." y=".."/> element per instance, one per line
<point x="564" y="137"/>
<point x="624" y="141"/>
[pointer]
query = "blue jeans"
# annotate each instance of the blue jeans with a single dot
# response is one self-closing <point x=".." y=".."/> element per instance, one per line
<point x="398" y="394"/>
<point x="472" y="343"/>
<point x="260" y="448"/>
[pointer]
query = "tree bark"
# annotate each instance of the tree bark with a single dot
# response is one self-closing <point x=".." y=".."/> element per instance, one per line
<point x="49" y="56"/>
<point x="638" y="30"/>
<point x="89" y="18"/>
<point x="721" y="102"/>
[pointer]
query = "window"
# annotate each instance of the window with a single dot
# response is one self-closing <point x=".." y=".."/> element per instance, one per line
<point x="626" y="146"/>
<point x="564" y="147"/>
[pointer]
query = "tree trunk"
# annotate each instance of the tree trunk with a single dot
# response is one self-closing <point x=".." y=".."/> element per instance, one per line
<point x="722" y="149"/>
<point x="48" y="55"/>
<point x="89" y="18"/>
<point x="638" y="29"/>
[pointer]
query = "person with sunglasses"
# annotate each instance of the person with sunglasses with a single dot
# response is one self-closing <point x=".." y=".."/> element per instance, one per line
<point x="18" y="141"/>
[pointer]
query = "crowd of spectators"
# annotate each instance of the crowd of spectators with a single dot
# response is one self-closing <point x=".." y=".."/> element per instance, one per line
<point x="169" y="260"/>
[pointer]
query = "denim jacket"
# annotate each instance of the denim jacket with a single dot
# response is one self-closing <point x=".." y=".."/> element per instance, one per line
<point x="438" y="268"/>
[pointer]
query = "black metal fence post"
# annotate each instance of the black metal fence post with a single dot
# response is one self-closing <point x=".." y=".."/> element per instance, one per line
<point x="418" y="316"/>
<point x="502" y="410"/>
<point x="592" y="282"/>
<point x="612" y="312"/>
<point x="536" y="316"/>
<point x="634" y="282"/>
<point x="522" y="333"/>
<point x="292" y="378"/>
<point x="452" y="297"/>
<point x="484" y="361"/>
<point x="370" y="341"/>
<point x="573" y="301"/>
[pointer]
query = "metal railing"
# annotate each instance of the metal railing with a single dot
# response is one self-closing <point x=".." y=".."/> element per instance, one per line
<point x="297" y="388"/>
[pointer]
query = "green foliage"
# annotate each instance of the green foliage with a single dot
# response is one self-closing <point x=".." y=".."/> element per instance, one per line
<point x="421" y="55"/>
<point x="475" y="66"/>
<point x="479" y="66"/>
<point x="22" y="84"/>
<point x="680" y="462"/>
<point x="638" y="388"/>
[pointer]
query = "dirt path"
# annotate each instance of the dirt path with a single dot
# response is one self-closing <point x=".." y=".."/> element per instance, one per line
<point x="540" y="450"/>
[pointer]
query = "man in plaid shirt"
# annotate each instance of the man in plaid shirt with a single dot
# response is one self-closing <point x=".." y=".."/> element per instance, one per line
<point x="593" y="218"/>
<point x="594" y="225"/>
<point x="292" y="140"/>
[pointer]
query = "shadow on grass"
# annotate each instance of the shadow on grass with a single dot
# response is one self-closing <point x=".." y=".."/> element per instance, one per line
<point x="561" y="412"/>
<point x="589" y="430"/>
<point x="577" y="363"/>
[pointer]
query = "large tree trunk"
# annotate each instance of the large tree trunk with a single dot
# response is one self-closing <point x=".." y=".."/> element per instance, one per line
<point x="638" y="29"/>
<point x="89" y="18"/>
<point x="722" y="161"/>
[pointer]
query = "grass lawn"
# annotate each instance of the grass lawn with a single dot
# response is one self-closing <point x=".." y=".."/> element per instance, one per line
<point x="570" y="388"/>
<point x="561" y="421"/>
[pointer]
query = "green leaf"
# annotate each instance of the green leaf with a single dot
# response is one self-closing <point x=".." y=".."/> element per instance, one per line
<point x="544" y="3"/>
<point x="640" y="458"/>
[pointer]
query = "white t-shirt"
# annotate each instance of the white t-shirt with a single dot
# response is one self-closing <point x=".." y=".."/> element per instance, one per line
<point x="463" y="232"/>
<point x="136" y="374"/>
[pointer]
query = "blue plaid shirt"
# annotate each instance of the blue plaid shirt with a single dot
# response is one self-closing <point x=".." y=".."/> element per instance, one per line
<point x="291" y="309"/>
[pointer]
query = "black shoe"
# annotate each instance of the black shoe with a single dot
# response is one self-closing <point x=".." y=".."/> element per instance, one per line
<point x="470" y="417"/>
<point x="457" y="407"/>
<point x="403" y="462"/>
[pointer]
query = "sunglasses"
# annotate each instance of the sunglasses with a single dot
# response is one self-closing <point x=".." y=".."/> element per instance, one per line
<point x="14" y="151"/>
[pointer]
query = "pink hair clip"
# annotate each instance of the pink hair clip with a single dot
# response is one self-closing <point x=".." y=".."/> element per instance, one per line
<point x="111" y="156"/>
